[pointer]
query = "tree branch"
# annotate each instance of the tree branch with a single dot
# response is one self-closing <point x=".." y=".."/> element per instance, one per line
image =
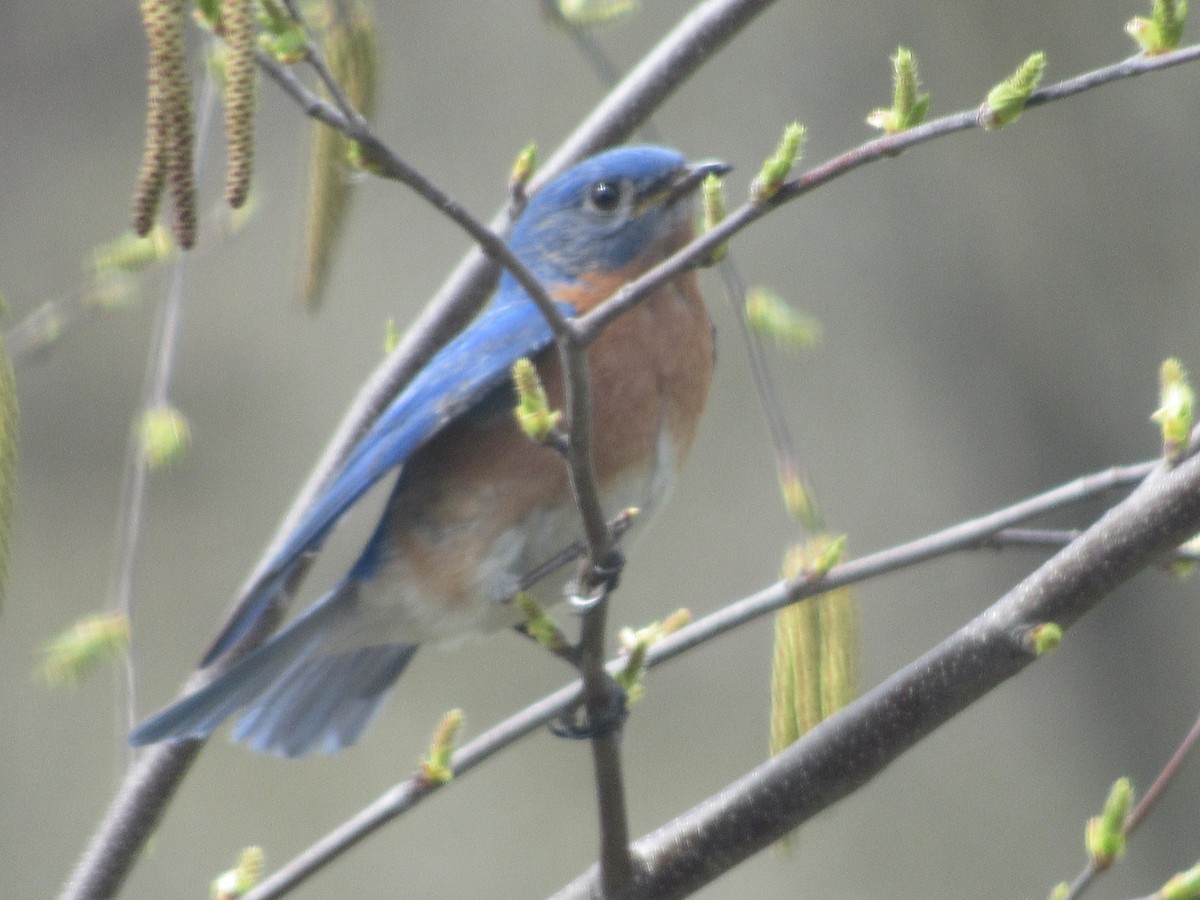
<point x="847" y="750"/>
<point x="634" y="292"/>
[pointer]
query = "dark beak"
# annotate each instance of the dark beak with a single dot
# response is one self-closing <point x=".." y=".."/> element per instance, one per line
<point x="687" y="179"/>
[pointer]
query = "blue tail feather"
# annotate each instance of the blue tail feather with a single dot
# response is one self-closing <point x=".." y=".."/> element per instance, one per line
<point x="298" y="696"/>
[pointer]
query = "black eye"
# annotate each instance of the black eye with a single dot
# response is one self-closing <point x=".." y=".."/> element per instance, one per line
<point x="605" y="196"/>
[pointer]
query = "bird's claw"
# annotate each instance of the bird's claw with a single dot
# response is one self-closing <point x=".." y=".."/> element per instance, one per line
<point x="579" y="724"/>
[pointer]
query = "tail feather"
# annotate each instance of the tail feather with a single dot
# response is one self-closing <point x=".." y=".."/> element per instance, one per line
<point x="298" y="697"/>
<point x="325" y="704"/>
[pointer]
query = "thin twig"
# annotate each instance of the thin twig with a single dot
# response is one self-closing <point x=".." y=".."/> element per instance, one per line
<point x="787" y="460"/>
<point x="1055" y="538"/>
<point x="1138" y="815"/>
<point x="634" y="292"/>
<point x="616" y="867"/>
<point x="963" y="536"/>
<point x="316" y="59"/>
<point x="386" y="163"/>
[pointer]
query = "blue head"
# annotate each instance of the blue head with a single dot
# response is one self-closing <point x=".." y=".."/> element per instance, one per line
<point x="605" y="212"/>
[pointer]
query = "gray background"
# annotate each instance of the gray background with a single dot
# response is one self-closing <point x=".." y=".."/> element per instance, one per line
<point x="995" y="309"/>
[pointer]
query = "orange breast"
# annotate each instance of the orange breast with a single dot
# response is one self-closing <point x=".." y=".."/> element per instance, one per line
<point x="481" y="479"/>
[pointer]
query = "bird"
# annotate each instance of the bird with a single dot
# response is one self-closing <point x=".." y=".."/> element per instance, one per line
<point x="477" y="509"/>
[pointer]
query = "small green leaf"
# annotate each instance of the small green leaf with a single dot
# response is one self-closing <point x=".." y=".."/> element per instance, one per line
<point x="86" y="644"/>
<point x="1006" y="101"/>
<point x="240" y="880"/>
<point x="1181" y="566"/>
<point x="538" y="624"/>
<point x="798" y="499"/>
<point x="1044" y="637"/>
<point x="436" y="767"/>
<point x="281" y="37"/>
<point x="533" y="411"/>
<point x="713" y="194"/>
<point x="635" y="645"/>
<point x="1163" y="31"/>
<point x="909" y="104"/>
<point x="523" y="168"/>
<point x="1184" y="886"/>
<point x="775" y="168"/>
<point x="596" y="12"/>
<point x="165" y="435"/>
<point x="1176" y="410"/>
<point x="129" y="253"/>
<point x="1105" y="834"/>
<point x="391" y="335"/>
<point x="770" y="316"/>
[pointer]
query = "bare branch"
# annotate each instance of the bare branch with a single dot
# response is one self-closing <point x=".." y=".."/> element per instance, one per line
<point x="848" y="749"/>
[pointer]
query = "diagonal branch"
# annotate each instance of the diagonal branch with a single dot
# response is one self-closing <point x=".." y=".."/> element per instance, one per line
<point x="590" y="326"/>
<point x="847" y="750"/>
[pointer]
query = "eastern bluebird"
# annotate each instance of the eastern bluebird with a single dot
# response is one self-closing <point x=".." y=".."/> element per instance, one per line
<point x="477" y="508"/>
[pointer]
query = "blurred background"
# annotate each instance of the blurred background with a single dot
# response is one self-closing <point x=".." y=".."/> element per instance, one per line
<point x="995" y="309"/>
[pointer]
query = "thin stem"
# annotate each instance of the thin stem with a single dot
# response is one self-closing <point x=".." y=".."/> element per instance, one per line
<point x="316" y="59"/>
<point x="1144" y="806"/>
<point x="1163" y="780"/>
<point x="616" y="867"/>
<point x="579" y="455"/>
<point x="1054" y="538"/>
<point x="386" y="163"/>
<point x="881" y="148"/>
<point x="787" y="460"/>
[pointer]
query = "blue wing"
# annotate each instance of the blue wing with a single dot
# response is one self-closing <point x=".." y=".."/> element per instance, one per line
<point x="457" y="378"/>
